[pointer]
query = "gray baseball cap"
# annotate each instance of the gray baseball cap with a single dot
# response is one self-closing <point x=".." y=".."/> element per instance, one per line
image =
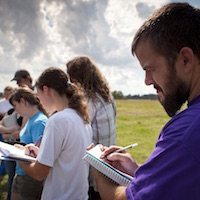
<point x="20" y="74"/>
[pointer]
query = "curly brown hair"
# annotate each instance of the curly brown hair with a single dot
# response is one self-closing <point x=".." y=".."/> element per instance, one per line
<point x="57" y="79"/>
<point x="83" y="70"/>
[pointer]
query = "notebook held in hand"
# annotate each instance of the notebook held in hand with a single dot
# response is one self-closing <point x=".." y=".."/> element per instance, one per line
<point x="93" y="158"/>
<point x="10" y="152"/>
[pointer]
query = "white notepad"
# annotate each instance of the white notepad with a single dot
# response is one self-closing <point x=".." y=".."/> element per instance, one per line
<point x="10" y="152"/>
<point x="93" y="158"/>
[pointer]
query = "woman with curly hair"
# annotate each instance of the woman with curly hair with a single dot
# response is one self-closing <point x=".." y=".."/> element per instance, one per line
<point x="101" y="104"/>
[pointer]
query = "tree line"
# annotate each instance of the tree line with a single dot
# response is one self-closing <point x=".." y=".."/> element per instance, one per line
<point x="120" y="95"/>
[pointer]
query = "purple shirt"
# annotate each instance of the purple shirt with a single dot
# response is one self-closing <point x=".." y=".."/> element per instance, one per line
<point x="173" y="169"/>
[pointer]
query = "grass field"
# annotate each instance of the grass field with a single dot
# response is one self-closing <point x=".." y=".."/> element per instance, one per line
<point x="137" y="121"/>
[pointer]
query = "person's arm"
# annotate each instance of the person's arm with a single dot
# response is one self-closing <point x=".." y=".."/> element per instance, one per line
<point x="16" y="134"/>
<point x="6" y="130"/>
<point x="13" y="135"/>
<point x="36" y="170"/>
<point x="107" y="188"/>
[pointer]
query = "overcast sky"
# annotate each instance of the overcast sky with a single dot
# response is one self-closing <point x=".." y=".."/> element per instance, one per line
<point x="36" y="34"/>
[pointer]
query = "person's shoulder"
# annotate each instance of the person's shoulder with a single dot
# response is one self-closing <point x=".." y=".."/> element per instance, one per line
<point x="2" y="101"/>
<point x="40" y="117"/>
<point x="98" y="100"/>
<point x="61" y="120"/>
<point x="63" y="113"/>
<point x="41" y="114"/>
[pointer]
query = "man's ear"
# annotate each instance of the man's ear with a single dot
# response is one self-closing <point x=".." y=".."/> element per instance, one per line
<point x="187" y="58"/>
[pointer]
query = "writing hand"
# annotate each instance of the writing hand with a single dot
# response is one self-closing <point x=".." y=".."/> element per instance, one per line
<point x="31" y="150"/>
<point x="122" y="161"/>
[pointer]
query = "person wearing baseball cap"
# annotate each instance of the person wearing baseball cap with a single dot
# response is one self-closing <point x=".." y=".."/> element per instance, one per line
<point x="23" y="77"/>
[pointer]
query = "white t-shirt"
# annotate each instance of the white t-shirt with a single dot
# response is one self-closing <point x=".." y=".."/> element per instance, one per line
<point x="63" y="146"/>
<point x="5" y="106"/>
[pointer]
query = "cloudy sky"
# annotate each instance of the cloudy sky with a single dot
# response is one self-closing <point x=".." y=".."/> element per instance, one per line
<point x="36" y="34"/>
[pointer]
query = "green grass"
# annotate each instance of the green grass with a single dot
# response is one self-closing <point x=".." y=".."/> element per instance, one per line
<point x="137" y="121"/>
<point x="3" y="186"/>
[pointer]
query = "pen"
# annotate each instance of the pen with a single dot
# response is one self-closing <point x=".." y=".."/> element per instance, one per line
<point x="36" y="143"/>
<point x="38" y="140"/>
<point x="120" y="150"/>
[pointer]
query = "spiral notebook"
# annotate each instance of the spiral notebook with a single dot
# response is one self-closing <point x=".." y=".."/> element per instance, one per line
<point x="93" y="158"/>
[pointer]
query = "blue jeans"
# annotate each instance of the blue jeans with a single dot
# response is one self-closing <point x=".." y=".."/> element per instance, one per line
<point x="2" y="166"/>
<point x="10" y="169"/>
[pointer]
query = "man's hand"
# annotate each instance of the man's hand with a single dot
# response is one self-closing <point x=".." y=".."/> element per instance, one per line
<point x="122" y="161"/>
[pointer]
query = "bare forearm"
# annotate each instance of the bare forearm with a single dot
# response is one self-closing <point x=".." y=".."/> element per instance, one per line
<point x="4" y="130"/>
<point x="35" y="170"/>
<point x="28" y="168"/>
<point x="108" y="189"/>
<point x="114" y="192"/>
<point x="14" y="135"/>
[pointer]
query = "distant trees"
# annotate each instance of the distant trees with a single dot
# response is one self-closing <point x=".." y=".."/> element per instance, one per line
<point x="146" y="96"/>
<point x="120" y="95"/>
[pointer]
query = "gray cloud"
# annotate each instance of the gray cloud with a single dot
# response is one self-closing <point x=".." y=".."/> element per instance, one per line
<point x="144" y="10"/>
<point x="85" y="30"/>
<point x="20" y="23"/>
<point x="36" y="34"/>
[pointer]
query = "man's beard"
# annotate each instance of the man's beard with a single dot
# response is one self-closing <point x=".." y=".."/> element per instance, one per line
<point x="177" y="94"/>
